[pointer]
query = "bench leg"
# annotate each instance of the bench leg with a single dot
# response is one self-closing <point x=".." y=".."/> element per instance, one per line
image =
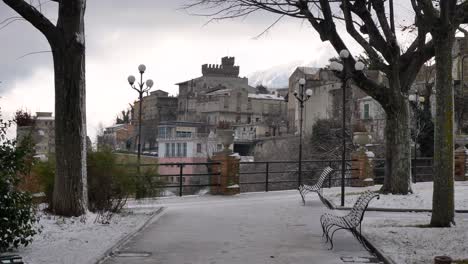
<point x="303" y="193"/>
<point x="331" y="237"/>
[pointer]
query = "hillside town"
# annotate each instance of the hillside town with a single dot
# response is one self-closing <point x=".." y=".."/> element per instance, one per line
<point x="240" y="131"/>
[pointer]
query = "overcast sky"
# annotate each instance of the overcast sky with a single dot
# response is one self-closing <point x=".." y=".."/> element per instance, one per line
<point x="121" y="34"/>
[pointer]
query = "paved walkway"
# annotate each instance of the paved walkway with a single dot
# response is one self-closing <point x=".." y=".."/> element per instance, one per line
<point x="252" y="228"/>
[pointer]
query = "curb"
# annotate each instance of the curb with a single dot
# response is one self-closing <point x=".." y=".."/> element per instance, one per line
<point x="332" y="206"/>
<point x="377" y="252"/>
<point x="108" y="253"/>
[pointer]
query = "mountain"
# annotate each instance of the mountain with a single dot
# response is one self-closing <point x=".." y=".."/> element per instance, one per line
<point x="276" y="76"/>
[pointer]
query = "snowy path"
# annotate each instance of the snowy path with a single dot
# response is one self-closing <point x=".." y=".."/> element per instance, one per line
<point x="249" y="228"/>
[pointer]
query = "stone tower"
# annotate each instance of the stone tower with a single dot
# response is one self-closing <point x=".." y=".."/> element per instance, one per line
<point x="226" y="69"/>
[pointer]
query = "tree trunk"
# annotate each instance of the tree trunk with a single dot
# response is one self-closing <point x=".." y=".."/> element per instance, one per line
<point x="70" y="191"/>
<point x="443" y="196"/>
<point x="397" y="149"/>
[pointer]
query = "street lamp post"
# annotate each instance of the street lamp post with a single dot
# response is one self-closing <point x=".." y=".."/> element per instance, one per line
<point x="418" y="100"/>
<point x="344" y="75"/>
<point x="302" y="96"/>
<point x="141" y="89"/>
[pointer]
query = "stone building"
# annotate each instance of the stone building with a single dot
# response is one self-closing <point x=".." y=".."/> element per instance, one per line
<point x="42" y="131"/>
<point x="221" y="95"/>
<point x="157" y="106"/>
<point x="326" y="102"/>
<point x="117" y="137"/>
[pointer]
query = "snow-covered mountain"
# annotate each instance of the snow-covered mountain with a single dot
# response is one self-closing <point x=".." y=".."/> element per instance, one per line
<point x="276" y="76"/>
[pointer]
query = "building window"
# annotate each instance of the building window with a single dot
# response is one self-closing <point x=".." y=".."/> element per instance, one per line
<point x="366" y="111"/>
<point x="257" y="119"/>
<point x="173" y="150"/>
<point x="183" y="179"/>
<point x="249" y="120"/>
<point x="162" y="132"/>
<point x="167" y="150"/>
<point x="183" y="134"/>
<point x="184" y="151"/>
<point x="198" y="148"/>
<point x="179" y="150"/>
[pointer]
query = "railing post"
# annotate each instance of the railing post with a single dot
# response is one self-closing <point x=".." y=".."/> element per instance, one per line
<point x="180" y="179"/>
<point x="266" y="176"/>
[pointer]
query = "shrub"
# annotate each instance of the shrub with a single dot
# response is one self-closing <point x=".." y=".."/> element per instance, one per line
<point x="110" y="182"/>
<point x="147" y="184"/>
<point x="46" y="172"/>
<point x="23" y="118"/>
<point x="17" y="214"/>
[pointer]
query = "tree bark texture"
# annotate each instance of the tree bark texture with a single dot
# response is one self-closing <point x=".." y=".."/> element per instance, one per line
<point x="443" y="196"/>
<point x="397" y="151"/>
<point x="70" y="189"/>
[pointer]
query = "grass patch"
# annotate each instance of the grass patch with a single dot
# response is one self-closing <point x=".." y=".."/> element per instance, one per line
<point x="461" y="261"/>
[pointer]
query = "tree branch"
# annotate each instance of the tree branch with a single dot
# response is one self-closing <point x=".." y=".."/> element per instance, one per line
<point x="357" y="36"/>
<point x="33" y="16"/>
<point x="375" y="38"/>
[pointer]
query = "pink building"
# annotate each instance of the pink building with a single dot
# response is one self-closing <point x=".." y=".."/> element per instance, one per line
<point x="185" y="142"/>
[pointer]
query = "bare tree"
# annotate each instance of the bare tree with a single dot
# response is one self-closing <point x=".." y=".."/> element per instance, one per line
<point x="67" y="42"/>
<point x="123" y="118"/>
<point x="371" y="24"/>
<point x="441" y="19"/>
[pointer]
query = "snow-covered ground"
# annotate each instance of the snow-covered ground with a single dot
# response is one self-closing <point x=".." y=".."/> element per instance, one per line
<point x="401" y="237"/>
<point x="80" y="239"/>
<point x="420" y="199"/>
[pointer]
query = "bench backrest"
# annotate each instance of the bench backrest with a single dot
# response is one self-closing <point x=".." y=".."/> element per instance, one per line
<point x="357" y="212"/>
<point x="326" y="172"/>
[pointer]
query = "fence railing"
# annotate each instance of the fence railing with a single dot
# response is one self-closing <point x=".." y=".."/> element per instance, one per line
<point x="189" y="178"/>
<point x="421" y="170"/>
<point x="283" y="175"/>
<point x="179" y="178"/>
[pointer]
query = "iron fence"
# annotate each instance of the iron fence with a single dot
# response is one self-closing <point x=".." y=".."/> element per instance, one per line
<point x="283" y="175"/>
<point x="178" y="178"/>
<point x="258" y="176"/>
<point x="421" y="170"/>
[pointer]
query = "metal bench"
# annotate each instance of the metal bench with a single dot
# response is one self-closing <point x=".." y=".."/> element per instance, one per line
<point x="317" y="187"/>
<point x="352" y="221"/>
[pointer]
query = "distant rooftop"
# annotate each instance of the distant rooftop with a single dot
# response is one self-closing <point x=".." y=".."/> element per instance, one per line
<point x="181" y="123"/>
<point x="309" y="70"/>
<point x="44" y="116"/>
<point x="266" y="96"/>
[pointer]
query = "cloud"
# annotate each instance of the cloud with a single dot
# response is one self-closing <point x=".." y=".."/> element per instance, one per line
<point x="121" y="34"/>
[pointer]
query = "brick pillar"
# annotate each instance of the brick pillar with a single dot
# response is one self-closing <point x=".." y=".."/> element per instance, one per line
<point x="229" y="178"/>
<point x="362" y="168"/>
<point x="461" y="164"/>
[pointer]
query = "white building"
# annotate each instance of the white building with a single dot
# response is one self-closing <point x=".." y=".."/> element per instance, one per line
<point x="180" y="140"/>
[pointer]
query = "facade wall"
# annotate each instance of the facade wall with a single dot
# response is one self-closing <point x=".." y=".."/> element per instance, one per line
<point x="42" y="133"/>
<point x="157" y="107"/>
<point x="319" y="106"/>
